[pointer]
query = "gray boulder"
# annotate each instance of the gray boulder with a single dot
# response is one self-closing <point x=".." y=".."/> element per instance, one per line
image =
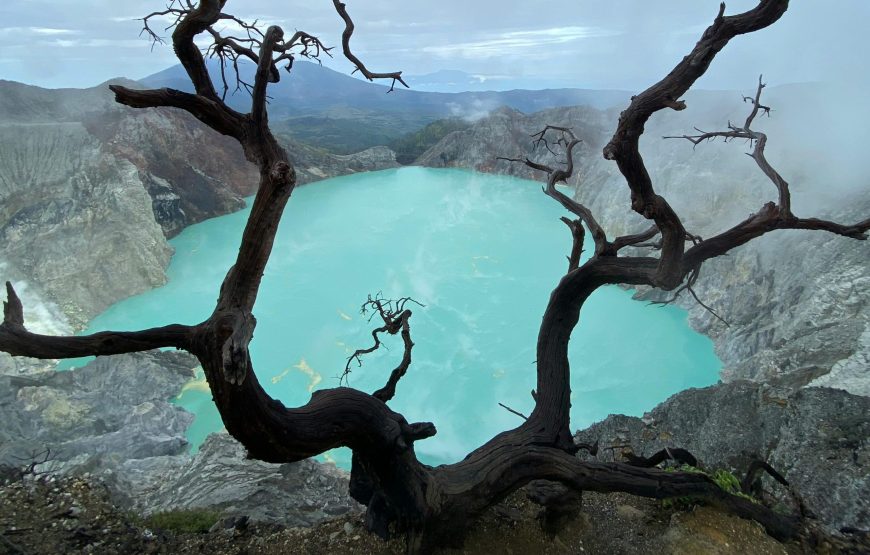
<point x="818" y="438"/>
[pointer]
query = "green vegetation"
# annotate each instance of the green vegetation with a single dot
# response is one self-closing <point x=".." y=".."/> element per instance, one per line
<point x="412" y="145"/>
<point x="338" y="136"/>
<point x="727" y="481"/>
<point x="347" y="130"/>
<point x="196" y="521"/>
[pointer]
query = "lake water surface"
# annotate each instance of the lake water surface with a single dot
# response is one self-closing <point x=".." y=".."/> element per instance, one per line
<point x="481" y="252"/>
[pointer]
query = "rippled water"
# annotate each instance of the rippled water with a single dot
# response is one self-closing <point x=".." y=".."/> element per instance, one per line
<point x="482" y="253"/>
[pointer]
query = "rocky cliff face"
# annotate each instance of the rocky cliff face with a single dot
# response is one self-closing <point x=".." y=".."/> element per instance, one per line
<point x="220" y="477"/>
<point x="313" y="164"/>
<point x="115" y="408"/>
<point x="91" y="190"/>
<point x="76" y="222"/>
<point x="794" y="300"/>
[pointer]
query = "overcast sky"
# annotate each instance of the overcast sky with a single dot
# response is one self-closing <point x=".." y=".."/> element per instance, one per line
<point x="624" y="44"/>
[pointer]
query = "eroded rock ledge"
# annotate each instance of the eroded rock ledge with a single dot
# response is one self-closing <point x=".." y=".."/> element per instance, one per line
<point x="112" y="421"/>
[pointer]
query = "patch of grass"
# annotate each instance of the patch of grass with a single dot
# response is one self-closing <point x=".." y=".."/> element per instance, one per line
<point x="726" y="481"/>
<point x="195" y="521"/>
<point x="729" y="483"/>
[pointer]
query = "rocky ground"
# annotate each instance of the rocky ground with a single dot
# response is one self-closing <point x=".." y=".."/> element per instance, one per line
<point x="817" y="438"/>
<point x="116" y="456"/>
<point x="113" y="421"/>
<point x="75" y="515"/>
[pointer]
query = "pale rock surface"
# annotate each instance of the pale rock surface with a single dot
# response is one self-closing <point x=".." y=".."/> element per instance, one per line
<point x="113" y="421"/>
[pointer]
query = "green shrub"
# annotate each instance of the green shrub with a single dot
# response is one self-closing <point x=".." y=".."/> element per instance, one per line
<point x="196" y="521"/>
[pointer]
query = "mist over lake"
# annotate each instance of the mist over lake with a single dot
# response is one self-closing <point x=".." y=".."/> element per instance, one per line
<point x="481" y="252"/>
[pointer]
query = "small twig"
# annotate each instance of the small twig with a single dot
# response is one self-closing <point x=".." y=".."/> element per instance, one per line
<point x="756" y="139"/>
<point x="518" y="413"/>
<point x="751" y="484"/>
<point x="33" y="461"/>
<point x="688" y="286"/>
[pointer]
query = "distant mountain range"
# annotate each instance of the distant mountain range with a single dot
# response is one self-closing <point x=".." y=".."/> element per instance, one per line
<point x="336" y="111"/>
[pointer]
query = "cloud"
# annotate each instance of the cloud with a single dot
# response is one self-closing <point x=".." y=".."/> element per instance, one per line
<point x="518" y="43"/>
<point x="474" y="111"/>
<point x="481" y="78"/>
<point x="96" y="43"/>
<point x="42" y="31"/>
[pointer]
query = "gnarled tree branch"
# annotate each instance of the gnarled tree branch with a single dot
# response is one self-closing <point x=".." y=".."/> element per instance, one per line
<point x="216" y="115"/>
<point x="624" y="146"/>
<point x="348" y="53"/>
<point x="17" y="341"/>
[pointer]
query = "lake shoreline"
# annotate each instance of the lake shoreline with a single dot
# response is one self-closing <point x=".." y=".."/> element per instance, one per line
<point x="441" y="242"/>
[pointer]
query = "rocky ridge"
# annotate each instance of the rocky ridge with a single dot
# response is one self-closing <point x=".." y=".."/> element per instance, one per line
<point x="112" y="409"/>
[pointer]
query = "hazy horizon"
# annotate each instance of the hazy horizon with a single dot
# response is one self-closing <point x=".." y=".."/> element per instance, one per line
<point x="589" y="44"/>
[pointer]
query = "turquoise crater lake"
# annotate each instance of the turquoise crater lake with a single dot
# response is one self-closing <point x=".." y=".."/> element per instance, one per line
<point x="482" y="252"/>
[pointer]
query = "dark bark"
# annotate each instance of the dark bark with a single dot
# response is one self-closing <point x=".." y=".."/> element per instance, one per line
<point x="433" y="506"/>
<point x="560" y="504"/>
<point x="672" y="453"/>
<point x="751" y="483"/>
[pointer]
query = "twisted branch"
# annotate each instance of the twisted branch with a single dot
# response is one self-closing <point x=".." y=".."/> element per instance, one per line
<point x="361" y="67"/>
<point x="17" y="341"/>
<point x="396" y="319"/>
<point x="566" y="140"/>
<point x="773" y="215"/>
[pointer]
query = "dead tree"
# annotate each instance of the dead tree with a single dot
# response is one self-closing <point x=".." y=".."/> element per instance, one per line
<point x="432" y="506"/>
